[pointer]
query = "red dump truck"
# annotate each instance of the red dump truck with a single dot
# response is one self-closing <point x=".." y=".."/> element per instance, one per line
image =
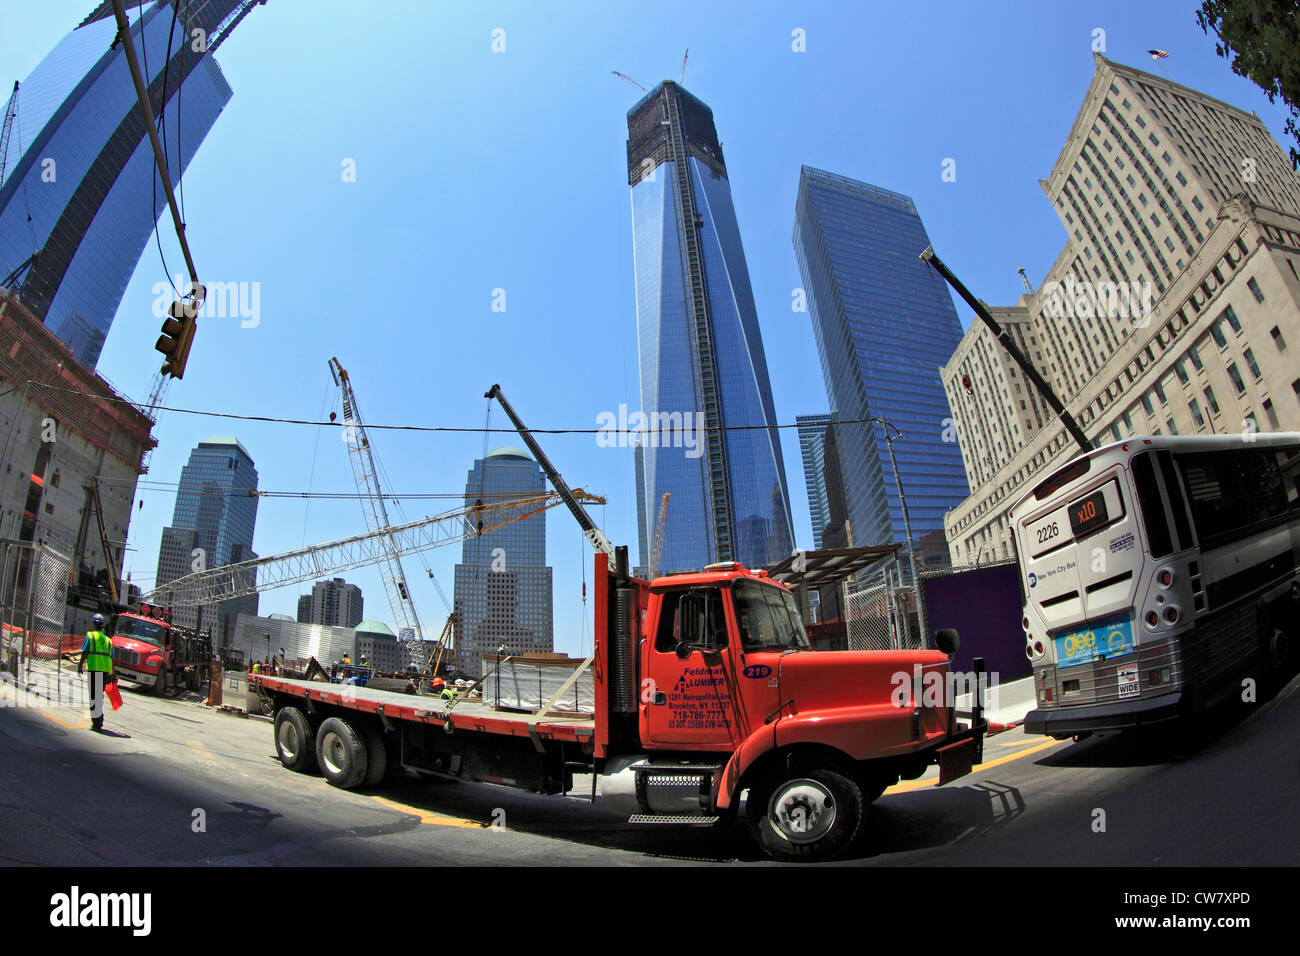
<point x="707" y="696"/>
<point x="149" y="650"/>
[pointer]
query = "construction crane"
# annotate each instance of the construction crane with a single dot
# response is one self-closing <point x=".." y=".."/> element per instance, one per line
<point x="682" y="81"/>
<point x="624" y="76"/>
<point x="570" y="498"/>
<point x="661" y="528"/>
<point x="372" y="504"/>
<point x="11" y="114"/>
<point x="320" y="560"/>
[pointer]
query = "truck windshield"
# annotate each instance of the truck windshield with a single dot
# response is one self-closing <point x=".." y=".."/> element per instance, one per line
<point x="149" y="631"/>
<point x="767" y="616"/>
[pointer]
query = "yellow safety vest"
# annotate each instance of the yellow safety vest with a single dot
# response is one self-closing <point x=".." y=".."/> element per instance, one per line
<point x="99" y="652"/>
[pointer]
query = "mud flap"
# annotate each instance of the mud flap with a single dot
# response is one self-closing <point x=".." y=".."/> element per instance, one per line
<point x="955" y="760"/>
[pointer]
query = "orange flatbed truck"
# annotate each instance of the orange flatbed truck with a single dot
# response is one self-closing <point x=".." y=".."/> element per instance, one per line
<point x="706" y="691"/>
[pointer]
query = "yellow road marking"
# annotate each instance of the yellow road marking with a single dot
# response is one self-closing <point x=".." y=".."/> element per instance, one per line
<point x="922" y="784"/>
<point x="201" y="753"/>
<point x="436" y="819"/>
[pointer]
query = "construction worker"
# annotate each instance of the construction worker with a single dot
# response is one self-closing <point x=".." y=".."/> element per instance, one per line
<point x="346" y="660"/>
<point x="97" y="657"/>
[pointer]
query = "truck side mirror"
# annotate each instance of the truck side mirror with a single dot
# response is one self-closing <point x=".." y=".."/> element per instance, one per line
<point x="682" y="650"/>
<point x="947" y="641"/>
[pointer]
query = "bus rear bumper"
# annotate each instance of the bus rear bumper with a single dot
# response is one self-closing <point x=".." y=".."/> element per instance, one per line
<point x="1099" y="718"/>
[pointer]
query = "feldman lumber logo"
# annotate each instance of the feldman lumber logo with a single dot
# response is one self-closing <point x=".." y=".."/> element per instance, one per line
<point x="75" y="909"/>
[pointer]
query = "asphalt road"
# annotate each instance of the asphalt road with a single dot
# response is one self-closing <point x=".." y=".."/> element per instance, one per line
<point x="177" y="783"/>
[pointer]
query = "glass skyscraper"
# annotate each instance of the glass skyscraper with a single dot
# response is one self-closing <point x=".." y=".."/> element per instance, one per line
<point x="812" y="446"/>
<point x="212" y="526"/>
<point x="77" y="201"/>
<point x="884" y="324"/>
<point x="503" y="590"/>
<point x="703" y="369"/>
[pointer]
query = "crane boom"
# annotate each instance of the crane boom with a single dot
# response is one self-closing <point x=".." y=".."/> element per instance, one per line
<point x="372" y="504"/>
<point x="589" y="529"/>
<point x="317" y="561"/>
<point x="11" y="113"/>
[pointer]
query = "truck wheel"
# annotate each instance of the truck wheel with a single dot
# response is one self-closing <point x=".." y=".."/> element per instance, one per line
<point x="295" y="741"/>
<point x="160" y="682"/>
<point x="813" y="815"/>
<point x="341" y="753"/>
<point x="376" y="757"/>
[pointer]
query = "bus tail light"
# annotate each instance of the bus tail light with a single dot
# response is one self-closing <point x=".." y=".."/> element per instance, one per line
<point x="1152" y="618"/>
<point x="1164" y="577"/>
<point x="1038" y="648"/>
<point x="1159" y="676"/>
<point x="1171" y="614"/>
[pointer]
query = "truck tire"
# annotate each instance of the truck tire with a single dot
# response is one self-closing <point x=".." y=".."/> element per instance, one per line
<point x="341" y="754"/>
<point x="376" y="757"/>
<point x="813" y="814"/>
<point x="295" y="741"/>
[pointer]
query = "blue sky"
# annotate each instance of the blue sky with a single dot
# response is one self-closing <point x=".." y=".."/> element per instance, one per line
<point x="479" y="170"/>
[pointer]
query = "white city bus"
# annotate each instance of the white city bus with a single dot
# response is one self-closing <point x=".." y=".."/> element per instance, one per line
<point x="1155" y="571"/>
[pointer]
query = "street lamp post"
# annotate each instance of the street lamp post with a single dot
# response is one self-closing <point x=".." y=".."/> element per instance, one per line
<point x="907" y="528"/>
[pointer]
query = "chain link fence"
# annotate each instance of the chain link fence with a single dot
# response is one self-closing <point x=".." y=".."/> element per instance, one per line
<point x="880" y="612"/>
<point x="33" y="602"/>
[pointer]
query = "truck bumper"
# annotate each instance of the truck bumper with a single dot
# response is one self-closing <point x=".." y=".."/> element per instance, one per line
<point x="137" y="677"/>
<point x="1099" y="718"/>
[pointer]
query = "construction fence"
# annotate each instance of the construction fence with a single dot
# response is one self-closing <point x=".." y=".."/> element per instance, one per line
<point x="33" y="603"/>
<point x="881" y="613"/>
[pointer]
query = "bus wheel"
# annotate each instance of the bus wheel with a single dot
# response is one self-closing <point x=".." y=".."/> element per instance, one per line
<point x="813" y="815"/>
<point x="341" y="754"/>
<point x="295" y="741"/>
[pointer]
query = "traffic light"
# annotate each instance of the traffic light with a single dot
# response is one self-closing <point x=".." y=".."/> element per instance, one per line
<point x="178" y="333"/>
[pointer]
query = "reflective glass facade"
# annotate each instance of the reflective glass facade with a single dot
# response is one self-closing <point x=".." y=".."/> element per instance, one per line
<point x="79" y="174"/>
<point x="884" y="324"/>
<point x="728" y="501"/>
<point x="214" y="512"/>
<point x="812" y="445"/>
<point x="503" y="589"/>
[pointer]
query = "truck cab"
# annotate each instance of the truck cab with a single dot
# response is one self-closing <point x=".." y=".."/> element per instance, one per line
<point x="733" y="699"/>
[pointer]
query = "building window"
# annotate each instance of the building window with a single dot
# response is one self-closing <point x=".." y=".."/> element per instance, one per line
<point x="1197" y="203"/>
<point x="1169" y="244"/>
<point x="1169" y="160"/>
<point x="1216" y="333"/>
<point x="1181" y="369"/>
<point x="1146" y="405"/>
<point x="1142" y="198"/>
<point x="1277" y="337"/>
<point x="1270" y="414"/>
<point x="1141" y="122"/>
<point x="1252" y="364"/>
<point x="1195" y="408"/>
<point x="1173" y="429"/>
<point x="1195" y="355"/>
<point x="1255" y="290"/>
<point x="1235" y="375"/>
<point x="1210" y="400"/>
<point x="1154" y="141"/>
<point x="1231" y="315"/>
<point x="1160" y="392"/>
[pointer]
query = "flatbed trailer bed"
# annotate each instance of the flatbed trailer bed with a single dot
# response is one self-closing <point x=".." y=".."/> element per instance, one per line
<point x="456" y="715"/>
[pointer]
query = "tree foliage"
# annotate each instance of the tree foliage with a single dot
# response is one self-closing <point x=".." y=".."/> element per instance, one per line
<point x="1262" y="39"/>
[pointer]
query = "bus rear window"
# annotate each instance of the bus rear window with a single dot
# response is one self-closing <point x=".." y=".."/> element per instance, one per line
<point x="1062" y="477"/>
<point x="1152" y="506"/>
